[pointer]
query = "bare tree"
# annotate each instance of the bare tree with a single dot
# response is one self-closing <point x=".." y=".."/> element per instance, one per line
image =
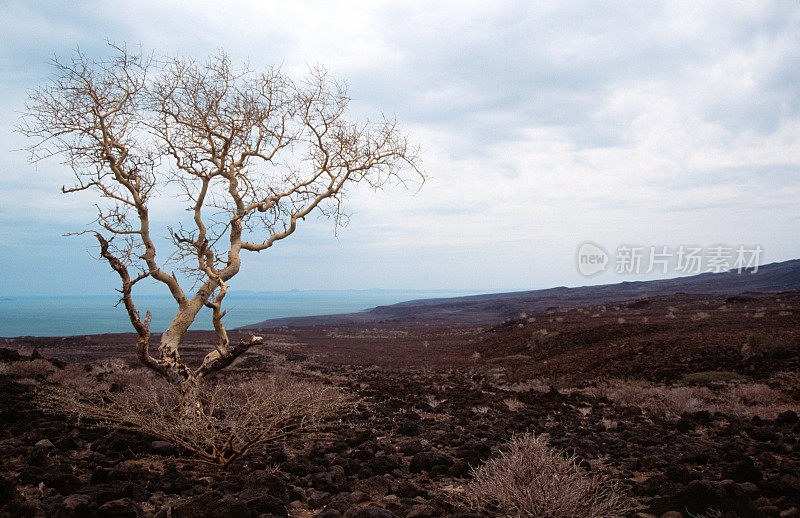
<point x="252" y="153"/>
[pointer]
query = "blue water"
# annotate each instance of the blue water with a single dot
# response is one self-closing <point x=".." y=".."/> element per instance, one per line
<point x="80" y="315"/>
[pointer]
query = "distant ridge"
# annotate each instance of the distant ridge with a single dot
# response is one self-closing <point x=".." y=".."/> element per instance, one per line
<point x="496" y="307"/>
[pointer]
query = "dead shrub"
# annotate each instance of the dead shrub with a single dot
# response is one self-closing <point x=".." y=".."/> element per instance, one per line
<point x="709" y="377"/>
<point x="513" y="404"/>
<point x="236" y="417"/>
<point x="531" y="479"/>
<point x="534" y="384"/>
<point x="739" y="399"/>
<point x="754" y="340"/>
<point x="100" y="378"/>
<point x="31" y="369"/>
<point x="511" y="365"/>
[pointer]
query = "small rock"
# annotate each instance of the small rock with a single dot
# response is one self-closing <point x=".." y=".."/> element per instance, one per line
<point x="427" y="460"/>
<point x="8" y="490"/>
<point x="76" y="505"/>
<point x="375" y="487"/>
<point x="407" y="489"/>
<point x="122" y="508"/>
<point x="794" y="512"/>
<point x="318" y="499"/>
<point x="44" y="443"/>
<point x="745" y="471"/>
<point x="409" y="445"/>
<point x="422" y="511"/>
<point x="370" y="511"/>
<point x="787" y="417"/>
<point x="324" y="482"/>
<point x="408" y="428"/>
<point x="671" y="514"/>
<point x="749" y="488"/>
<point x="161" y="447"/>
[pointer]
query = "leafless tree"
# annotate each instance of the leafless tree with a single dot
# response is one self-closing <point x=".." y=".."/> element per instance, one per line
<point x="252" y="153"/>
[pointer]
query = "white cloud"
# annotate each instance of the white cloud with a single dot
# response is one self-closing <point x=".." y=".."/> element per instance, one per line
<point x="542" y="124"/>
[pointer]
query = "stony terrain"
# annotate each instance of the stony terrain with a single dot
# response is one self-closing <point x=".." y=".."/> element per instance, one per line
<point x="689" y="402"/>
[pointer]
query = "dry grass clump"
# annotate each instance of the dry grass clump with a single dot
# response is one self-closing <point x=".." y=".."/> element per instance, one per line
<point x="107" y="375"/>
<point x="535" y="384"/>
<point x="236" y="417"/>
<point x="31" y="369"/>
<point x="740" y="399"/>
<point x="511" y="366"/>
<point x="531" y="479"/>
<point x="709" y="377"/>
<point x="513" y="404"/>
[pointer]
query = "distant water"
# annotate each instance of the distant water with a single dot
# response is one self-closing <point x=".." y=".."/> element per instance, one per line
<point x="80" y="315"/>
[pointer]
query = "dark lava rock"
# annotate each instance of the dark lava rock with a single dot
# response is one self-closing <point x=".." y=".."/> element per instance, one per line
<point x="162" y="448"/>
<point x="9" y="355"/>
<point x="762" y="433"/>
<point x="340" y="503"/>
<point x="329" y="513"/>
<point x="370" y="511"/>
<point x="410" y="446"/>
<point x="8" y="490"/>
<point x="356" y="437"/>
<point x="324" y="481"/>
<point x="375" y="487"/>
<point x="44" y="443"/>
<point x="209" y="505"/>
<point x="475" y="452"/>
<point x="298" y="467"/>
<point x="787" y="417"/>
<point x="262" y="482"/>
<point x="383" y="464"/>
<point x="64" y="483"/>
<point x="422" y="511"/>
<point x="701" y="495"/>
<point x="409" y="428"/>
<point x="118" y="490"/>
<point x="428" y="460"/>
<point x="122" y="508"/>
<point x="99" y="475"/>
<point x="77" y="506"/>
<point x="264" y="504"/>
<point x="685" y="424"/>
<point x="408" y="489"/>
<point x="318" y="499"/>
<point x="745" y="471"/>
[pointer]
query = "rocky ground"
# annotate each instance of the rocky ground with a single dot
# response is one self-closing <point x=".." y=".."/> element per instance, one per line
<point x="688" y="402"/>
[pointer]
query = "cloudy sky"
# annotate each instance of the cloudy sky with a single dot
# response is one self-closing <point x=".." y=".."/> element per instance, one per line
<point x="542" y="125"/>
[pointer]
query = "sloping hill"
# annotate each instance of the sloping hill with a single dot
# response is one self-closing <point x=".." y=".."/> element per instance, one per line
<point x="496" y="307"/>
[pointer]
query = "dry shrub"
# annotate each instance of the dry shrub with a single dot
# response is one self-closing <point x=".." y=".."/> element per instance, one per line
<point x="100" y="378"/>
<point x="32" y="369"/>
<point x="710" y="377"/>
<point x="513" y="404"/>
<point x="742" y="399"/>
<point x="531" y="479"/>
<point x="236" y="417"/>
<point x="535" y="384"/>
<point x="72" y="376"/>
<point x="657" y="399"/>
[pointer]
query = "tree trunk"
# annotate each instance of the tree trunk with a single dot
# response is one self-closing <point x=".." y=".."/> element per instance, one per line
<point x="178" y="373"/>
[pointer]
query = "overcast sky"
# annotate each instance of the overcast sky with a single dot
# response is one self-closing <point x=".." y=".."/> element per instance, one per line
<point x="542" y="125"/>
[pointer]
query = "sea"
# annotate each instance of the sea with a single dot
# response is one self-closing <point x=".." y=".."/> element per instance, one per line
<point x="83" y="315"/>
